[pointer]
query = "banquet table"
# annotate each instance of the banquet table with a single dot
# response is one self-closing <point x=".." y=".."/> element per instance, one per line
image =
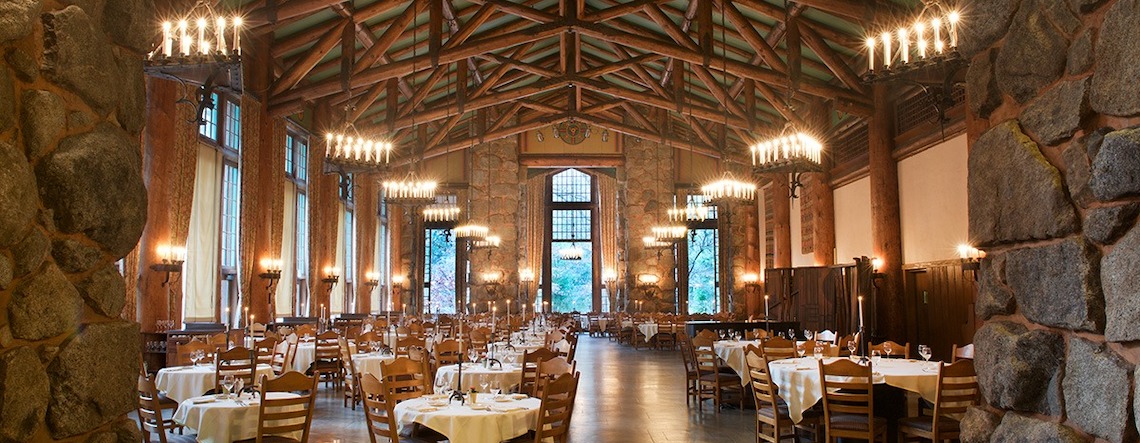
<point x="508" y="376"/>
<point x="732" y="353"/>
<point x="306" y="352"/>
<point x="370" y="363"/>
<point x="503" y="420"/>
<point x="801" y="387"/>
<point x="183" y="382"/>
<point x="224" y="421"/>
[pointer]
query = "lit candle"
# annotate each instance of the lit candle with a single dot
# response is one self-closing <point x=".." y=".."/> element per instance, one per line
<point x="871" y="54"/>
<point x="954" y="17"/>
<point x="183" y="38"/>
<point x="937" y="25"/>
<point x="904" y="43"/>
<point x="220" y="36"/>
<point x="766" y="318"/>
<point x="167" y="39"/>
<point x="237" y="35"/>
<point x="860" y="313"/>
<point x="202" y="36"/>
<point x="886" y="37"/>
<point x="920" y="37"/>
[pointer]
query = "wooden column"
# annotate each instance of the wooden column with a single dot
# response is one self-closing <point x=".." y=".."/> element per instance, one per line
<point x="781" y="220"/>
<point x="886" y="228"/>
<point x="818" y="189"/>
<point x="366" y="221"/>
<point x="323" y="204"/>
<point x="261" y="164"/>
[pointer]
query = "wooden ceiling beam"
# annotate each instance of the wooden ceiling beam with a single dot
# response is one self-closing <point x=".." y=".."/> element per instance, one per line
<point x="833" y="60"/>
<point x="505" y="117"/>
<point x="284" y="11"/>
<point x="520" y="65"/>
<point x="618" y="10"/>
<point x="295" y="73"/>
<point x="443" y="111"/>
<point x="389" y="37"/>
<point x="520" y="127"/>
<point x="649" y="135"/>
<point x="523" y="11"/>
<point x="748" y="33"/>
<point x="656" y="101"/>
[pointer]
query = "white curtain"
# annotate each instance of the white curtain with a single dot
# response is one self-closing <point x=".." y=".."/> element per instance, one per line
<point x="336" y="299"/>
<point x="283" y="300"/>
<point x="380" y="258"/>
<point x="200" y="273"/>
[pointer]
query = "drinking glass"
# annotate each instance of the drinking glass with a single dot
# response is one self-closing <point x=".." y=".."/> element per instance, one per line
<point x="808" y="334"/>
<point x="852" y="346"/>
<point x="924" y="351"/>
<point x="197" y="356"/>
<point x="800" y="350"/>
<point x="440" y="385"/>
<point x="484" y="383"/>
<point x="875" y="356"/>
<point x="818" y="352"/>
<point x="791" y="334"/>
<point x="228" y="383"/>
<point x="887" y="348"/>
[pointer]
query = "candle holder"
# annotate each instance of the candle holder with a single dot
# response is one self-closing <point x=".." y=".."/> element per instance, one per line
<point x="332" y="276"/>
<point x="171" y="260"/>
<point x="271" y="273"/>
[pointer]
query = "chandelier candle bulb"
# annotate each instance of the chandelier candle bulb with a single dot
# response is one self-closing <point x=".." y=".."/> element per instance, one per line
<point x="904" y="46"/>
<point x="870" y="54"/>
<point x="183" y="38"/>
<point x="937" y="25"/>
<point x="219" y="35"/>
<point x="237" y="36"/>
<point x="953" y="19"/>
<point x="167" y="39"/>
<point x="202" y="46"/>
<point x="920" y="39"/>
<point x="887" y="54"/>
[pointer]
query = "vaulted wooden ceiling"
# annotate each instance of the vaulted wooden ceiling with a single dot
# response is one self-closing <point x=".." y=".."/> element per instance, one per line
<point x="442" y="75"/>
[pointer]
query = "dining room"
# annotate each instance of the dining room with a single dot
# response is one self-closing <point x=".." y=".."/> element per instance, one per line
<point x="485" y="221"/>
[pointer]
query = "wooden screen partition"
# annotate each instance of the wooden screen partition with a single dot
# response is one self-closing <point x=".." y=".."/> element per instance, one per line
<point x="940" y="302"/>
<point x="817" y="297"/>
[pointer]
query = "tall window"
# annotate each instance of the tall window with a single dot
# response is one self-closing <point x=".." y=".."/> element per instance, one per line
<point x="572" y="206"/>
<point x="439" y="270"/>
<point x="296" y="173"/>
<point x="349" y="246"/>
<point x="701" y="254"/>
<point x="209" y="128"/>
<point x="231" y="191"/>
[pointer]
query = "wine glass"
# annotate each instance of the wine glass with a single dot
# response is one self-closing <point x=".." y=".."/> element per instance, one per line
<point x="473" y="355"/>
<point x="852" y="346"/>
<point x="496" y="387"/>
<point x="887" y="348"/>
<point x="875" y="356"/>
<point x="228" y="383"/>
<point x="440" y="385"/>
<point x="791" y="334"/>
<point x="484" y="383"/>
<point x="818" y="352"/>
<point x="924" y="352"/>
<point x="808" y="334"/>
<point x="800" y="350"/>
<point x="197" y="356"/>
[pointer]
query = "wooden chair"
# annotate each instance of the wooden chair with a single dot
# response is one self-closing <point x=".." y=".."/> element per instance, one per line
<point x="447" y="352"/>
<point x="264" y="350"/>
<point x="257" y="330"/>
<point x="556" y="408"/>
<point x="756" y="334"/>
<point x="403" y="344"/>
<point x="530" y="362"/>
<point x="282" y="360"/>
<point x="849" y="403"/>
<point x="665" y="338"/>
<point x="844" y="351"/>
<point x="239" y="362"/>
<point x="349" y="382"/>
<point x="403" y="378"/>
<point x="965" y="352"/>
<point x="306" y="331"/>
<point x="692" y="377"/>
<point x="957" y="391"/>
<point x="709" y="334"/>
<point x="364" y="342"/>
<point x="548" y="370"/>
<point x="326" y="357"/>
<point x="479" y="339"/>
<point x="219" y="340"/>
<point x="771" y="412"/>
<point x="277" y="415"/>
<point x="713" y="382"/>
<point x="897" y="350"/>
<point x="572" y="339"/>
<point x="777" y="348"/>
<point x="151" y="405"/>
<point x="379" y="413"/>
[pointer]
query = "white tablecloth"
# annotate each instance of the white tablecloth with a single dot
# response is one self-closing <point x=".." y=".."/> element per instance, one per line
<point x="370" y="363"/>
<point x="507" y="377"/>
<point x="732" y="353"/>
<point x="800" y="386"/>
<point x="223" y="421"/>
<point x="461" y="424"/>
<point x="183" y="382"/>
<point x="307" y="351"/>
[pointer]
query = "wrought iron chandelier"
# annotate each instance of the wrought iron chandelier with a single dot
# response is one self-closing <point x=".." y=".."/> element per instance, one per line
<point x="669" y="233"/>
<point x="488" y="242"/>
<point x="572" y="253"/>
<point x="441" y="212"/>
<point x="915" y="52"/>
<point x="471" y="231"/>
<point x="409" y="191"/>
<point x="794" y="153"/>
<point x="354" y="151"/>
<point x="692" y="212"/>
<point x="728" y="189"/>
<point x="651" y="242"/>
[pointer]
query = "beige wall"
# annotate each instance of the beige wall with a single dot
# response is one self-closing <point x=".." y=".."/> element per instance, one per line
<point x="853" y="220"/>
<point x="933" y="203"/>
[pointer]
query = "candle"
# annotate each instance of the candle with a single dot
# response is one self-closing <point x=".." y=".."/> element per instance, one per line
<point x="954" y="29"/>
<point x="905" y="45"/>
<point x="886" y="37"/>
<point x="183" y="38"/>
<point x="937" y="25"/>
<point x="871" y="54"/>
<point x="167" y="39"/>
<point x="237" y="35"/>
<point x="860" y="312"/>
<point x="202" y="36"/>
<point x="920" y="39"/>
<point x="220" y="36"/>
<point x="226" y="320"/>
<point x="765" y="308"/>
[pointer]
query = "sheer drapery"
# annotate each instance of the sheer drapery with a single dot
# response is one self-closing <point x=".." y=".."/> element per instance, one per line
<point x="534" y="228"/>
<point x="287" y="285"/>
<point x="608" y="221"/>
<point x="250" y="217"/>
<point x="336" y="297"/>
<point x="278" y="216"/>
<point x="200" y="273"/>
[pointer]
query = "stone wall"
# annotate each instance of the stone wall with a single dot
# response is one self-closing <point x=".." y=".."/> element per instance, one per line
<point x="72" y="202"/>
<point x="646" y="195"/>
<point x="1054" y="180"/>
<point x="501" y="200"/>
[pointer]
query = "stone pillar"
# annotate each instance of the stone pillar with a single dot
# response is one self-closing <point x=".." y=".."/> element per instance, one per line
<point x="647" y="195"/>
<point x="1054" y="109"/>
<point x="886" y="224"/>
<point x="496" y="204"/>
<point x="72" y="202"/>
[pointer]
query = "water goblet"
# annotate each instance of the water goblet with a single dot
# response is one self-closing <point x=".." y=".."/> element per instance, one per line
<point x="791" y="334"/>
<point x="875" y="356"/>
<point x="924" y="352"/>
<point x="852" y="346"/>
<point x="887" y="348"/>
<point x="818" y="352"/>
<point x="808" y="334"/>
<point x="228" y="384"/>
<point x="800" y="350"/>
<point x="496" y="387"/>
<point x="484" y="383"/>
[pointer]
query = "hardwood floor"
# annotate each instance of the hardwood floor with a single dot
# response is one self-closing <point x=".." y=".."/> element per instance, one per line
<point x="625" y="396"/>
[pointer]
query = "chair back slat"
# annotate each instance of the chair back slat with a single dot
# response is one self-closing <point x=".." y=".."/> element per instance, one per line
<point x="957" y="390"/>
<point x="530" y="362"/>
<point x="847" y="389"/>
<point x="897" y="350"/>
<point x="778" y="348"/>
<point x="556" y="408"/>
<point x="379" y="413"/>
<point x="239" y="362"/>
<point x="286" y="414"/>
<point x="964" y="352"/>
<point x="403" y="378"/>
<point x="149" y="410"/>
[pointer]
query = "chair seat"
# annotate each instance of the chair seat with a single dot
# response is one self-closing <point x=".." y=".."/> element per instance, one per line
<point x="770" y="412"/>
<point x="926" y="423"/>
<point x="722" y="377"/>
<point x="853" y="422"/>
<point x="270" y="439"/>
<point x="166" y="402"/>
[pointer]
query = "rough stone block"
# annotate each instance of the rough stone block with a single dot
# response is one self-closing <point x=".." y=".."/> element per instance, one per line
<point x="1078" y="167"/>
<point x="75" y="257"/>
<point x="6" y="273"/>
<point x="45" y="305"/>
<point x="1105" y="225"/>
<point x="1120" y="275"/>
<point x="1116" y="165"/>
<point x="1056" y="114"/>
<point x="17" y="18"/>
<point x="1059" y="284"/>
<point x="1084" y="5"/>
<point x="1115" y="90"/>
<point x="129" y="22"/>
<point x="1095" y="400"/>
<point x="1019" y="429"/>
<point x="989" y="22"/>
<point x="1019" y="369"/>
<point x="76" y="55"/>
<point x="94" y="185"/>
<point x="1015" y="194"/>
<point x="105" y="291"/>
<point x="131" y="113"/>
<point x="44" y="118"/>
<point x="981" y="85"/>
<point x="94" y="378"/>
<point x="978" y="425"/>
<point x="1034" y="52"/>
<point x="7" y="101"/>
<point x="31" y="252"/>
<point x="1080" y="54"/>
<point x="24" y="397"/>
<point x="994" y="297"/>
<point x="17" y="195"/>
<point x="23" y="64"/>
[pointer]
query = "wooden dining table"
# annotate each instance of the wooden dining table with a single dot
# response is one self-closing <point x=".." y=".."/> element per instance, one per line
<point x="800" y="384"/>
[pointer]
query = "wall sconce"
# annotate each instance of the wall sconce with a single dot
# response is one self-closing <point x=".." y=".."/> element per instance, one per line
<point x="647" y="283"/>
<point x="172" y="258"/>
<point x="877" y="269"/>
<point x="971" y="259"/>
<point x="372" y="279"/>
<point x="332" y="276"/>
<point x="492" y="281"/>
<point x="271" y="273"/>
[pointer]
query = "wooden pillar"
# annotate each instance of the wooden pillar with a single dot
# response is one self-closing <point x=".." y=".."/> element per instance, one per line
<point x="817" y="187"/>
<point x="260" y="165"/>
<point x="323" y="206"/>
<point x="886" y="228"/>
<point x="781" y="220"/>
<point x="366" y="221"/>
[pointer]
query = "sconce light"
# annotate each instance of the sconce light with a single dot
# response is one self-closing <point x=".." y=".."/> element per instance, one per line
<point x="398" y="281"/>
<point x="876" y="269"/>
<point x="372" y="279"/>
<point x="332" y="276"/>
<point x="526" y="276"/>
<point x="971" y="259"/>
<point x="648" y="283"/>
<point x="172" y="258"/>
<point x="271" y="271"/>
<point x="751" y="281"/>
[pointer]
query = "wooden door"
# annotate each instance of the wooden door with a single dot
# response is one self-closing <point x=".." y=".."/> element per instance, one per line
<point x="942" y="300"/>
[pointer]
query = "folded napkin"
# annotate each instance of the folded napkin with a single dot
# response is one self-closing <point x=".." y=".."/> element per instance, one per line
<point x="508" y="408"/>
<point x="201" y="400"/>
<point x="426" y="409"/>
